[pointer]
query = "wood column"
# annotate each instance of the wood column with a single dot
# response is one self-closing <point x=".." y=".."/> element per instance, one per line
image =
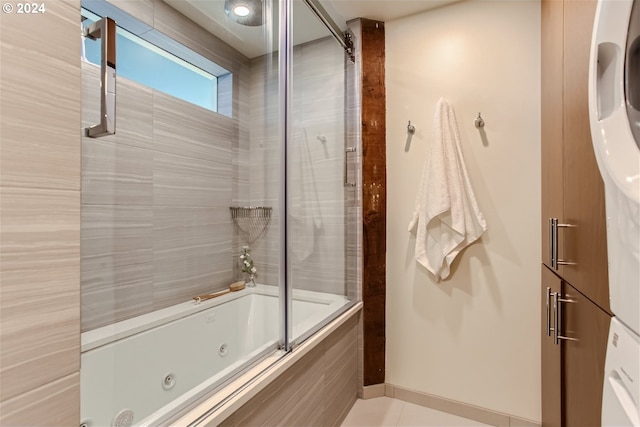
<point x="374" y="199"/>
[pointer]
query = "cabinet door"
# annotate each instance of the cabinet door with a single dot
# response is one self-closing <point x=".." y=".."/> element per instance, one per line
<point x="551" y="119"/>
<point x="551" y="357"/>
<point x="586" y="328"/>
<point x="583" y="189"/>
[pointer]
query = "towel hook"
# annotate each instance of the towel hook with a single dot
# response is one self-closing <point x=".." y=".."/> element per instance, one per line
<point x="411" y="129"/>
<point x="479" y="121"/>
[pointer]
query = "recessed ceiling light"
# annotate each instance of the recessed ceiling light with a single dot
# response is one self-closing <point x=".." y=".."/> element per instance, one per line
<point x="241" y="10"/>
<point x="244" y="12"/>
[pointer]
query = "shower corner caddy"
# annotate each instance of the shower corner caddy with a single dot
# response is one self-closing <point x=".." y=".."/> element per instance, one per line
<point x="251" y="220"/>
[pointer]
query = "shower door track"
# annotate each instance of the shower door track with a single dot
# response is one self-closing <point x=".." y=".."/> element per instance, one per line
<point x="344" y="38"/>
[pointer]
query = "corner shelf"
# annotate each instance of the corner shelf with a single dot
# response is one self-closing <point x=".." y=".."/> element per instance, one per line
<point x="252" y="221"/>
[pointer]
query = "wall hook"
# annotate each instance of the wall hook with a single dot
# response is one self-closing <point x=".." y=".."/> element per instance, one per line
<point x="411" y="129"/>
<point x="479" y="121"/>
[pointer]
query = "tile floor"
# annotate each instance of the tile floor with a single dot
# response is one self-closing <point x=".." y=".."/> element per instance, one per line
<point x="385" y="411"/>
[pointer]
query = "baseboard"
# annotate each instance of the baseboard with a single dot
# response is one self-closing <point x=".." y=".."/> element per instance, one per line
<point x="372" y="391"/>
<point x="453" y="407"/>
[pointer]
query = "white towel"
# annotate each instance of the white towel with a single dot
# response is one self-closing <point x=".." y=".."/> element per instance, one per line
<point x="446" y="216"/>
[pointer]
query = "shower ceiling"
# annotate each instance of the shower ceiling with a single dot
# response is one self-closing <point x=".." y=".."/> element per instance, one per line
<point x="210" y="15"/>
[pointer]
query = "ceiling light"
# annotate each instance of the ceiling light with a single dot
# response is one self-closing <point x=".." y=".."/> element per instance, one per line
<point x="241" y="10"/>
<point x="244" y="12"/>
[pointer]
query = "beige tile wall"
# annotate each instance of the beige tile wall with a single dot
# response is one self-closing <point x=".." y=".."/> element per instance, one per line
<point x="40" y="216"/>
<point x="184" y="168"/>
<point x="156" y="227"/>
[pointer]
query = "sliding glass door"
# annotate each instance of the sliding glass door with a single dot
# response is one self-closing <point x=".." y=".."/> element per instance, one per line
<point x="321" y="179"/>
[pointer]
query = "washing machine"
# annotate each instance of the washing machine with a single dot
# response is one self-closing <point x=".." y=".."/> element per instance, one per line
<point x="621" y="377"/>
<point x="614" y="113"/>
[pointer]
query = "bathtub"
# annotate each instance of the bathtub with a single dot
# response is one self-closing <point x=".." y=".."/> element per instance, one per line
<point x="138" y="371"/>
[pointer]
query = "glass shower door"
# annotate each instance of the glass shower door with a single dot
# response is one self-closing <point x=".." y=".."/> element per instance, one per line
<point x="321" y="177"/>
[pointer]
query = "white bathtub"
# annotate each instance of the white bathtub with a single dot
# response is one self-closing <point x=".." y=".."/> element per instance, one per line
<point x="150" y="365"/>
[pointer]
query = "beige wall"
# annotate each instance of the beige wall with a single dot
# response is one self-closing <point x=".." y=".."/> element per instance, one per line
<point x="473" y="338"/>
<point x="40" y="216"/>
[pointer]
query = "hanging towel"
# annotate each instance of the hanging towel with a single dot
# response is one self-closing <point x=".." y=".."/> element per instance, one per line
<point x="305" y="215"/>
<point x="446" y="217"/>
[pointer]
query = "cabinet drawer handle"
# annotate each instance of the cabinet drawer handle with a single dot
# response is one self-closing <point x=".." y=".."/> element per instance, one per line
<point x="548" y="297"/>
<point x="557" y="305"/>
<point x="553" y="242"/>
<point x="554" y="261"/>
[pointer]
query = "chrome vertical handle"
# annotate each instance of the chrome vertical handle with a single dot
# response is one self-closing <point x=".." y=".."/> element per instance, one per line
<point x="556" y="321"/>
<point x="557" y="304"/>
<point x="105" y="29"/>
<point x="549" y="329"/>
<point x="346" y="166"/>
<point x="554" y="261"/>
<point x="553" y="243"/>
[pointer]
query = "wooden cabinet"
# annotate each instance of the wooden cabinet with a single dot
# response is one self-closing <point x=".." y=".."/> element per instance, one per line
<point x="572" y="189"/>
<point x="551" y="355"/>
<point x="551" y="118"/>
<point x="586" y="328"/>
<point x="574" y="339"/>
<point x="574" y="251"/>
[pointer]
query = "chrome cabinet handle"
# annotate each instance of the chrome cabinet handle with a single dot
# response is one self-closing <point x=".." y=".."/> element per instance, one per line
<point x="553" y="242"/>
<point x="346" y="166"/>
<point x="556" y="322"/>
<point x="554" y="261"/>
<point x="105" y="29"/>
<point x="549" y="328"/>
<point x="557" y="304"/>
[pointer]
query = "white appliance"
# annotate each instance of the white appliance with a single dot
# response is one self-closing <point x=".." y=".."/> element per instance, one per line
<point x="622" y="378"/>
<point x="614" y="110"/>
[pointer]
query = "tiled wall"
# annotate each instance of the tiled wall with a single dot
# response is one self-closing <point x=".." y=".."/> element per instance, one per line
<point x="40" y="216"/>
<point x="156" y="226"/>
<point x="139" y="255"/>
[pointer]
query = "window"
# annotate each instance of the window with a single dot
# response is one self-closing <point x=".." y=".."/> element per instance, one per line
<point x="157" y="68"/>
